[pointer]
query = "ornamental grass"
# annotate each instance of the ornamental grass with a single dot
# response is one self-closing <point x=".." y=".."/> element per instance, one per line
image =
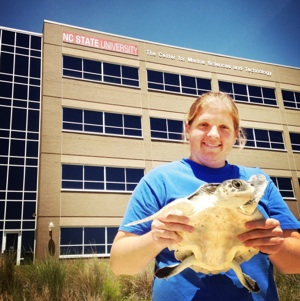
<point x="91" y="280"/>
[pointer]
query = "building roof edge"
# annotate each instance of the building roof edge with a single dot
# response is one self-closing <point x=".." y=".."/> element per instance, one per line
<point x="21" y="31"/>
<point x="171" y="46"/>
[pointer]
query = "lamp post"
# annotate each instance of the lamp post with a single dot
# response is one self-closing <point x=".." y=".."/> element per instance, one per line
<point x="50" y="227"/>
<point x="51" y="244"/>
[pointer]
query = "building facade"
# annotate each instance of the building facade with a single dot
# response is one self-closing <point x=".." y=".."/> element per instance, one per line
<point x="114" y="107"/>
<point x="20" y="86"/>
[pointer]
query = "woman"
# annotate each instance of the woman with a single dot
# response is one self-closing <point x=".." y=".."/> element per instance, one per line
<point x="212" y="128"/>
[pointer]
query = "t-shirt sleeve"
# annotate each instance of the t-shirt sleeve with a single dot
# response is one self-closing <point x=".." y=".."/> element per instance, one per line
<point x="278" y="208"/>
<point x="143" y="202"/>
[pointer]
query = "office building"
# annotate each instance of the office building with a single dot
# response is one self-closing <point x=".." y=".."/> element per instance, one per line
<point x="113" y="107"/>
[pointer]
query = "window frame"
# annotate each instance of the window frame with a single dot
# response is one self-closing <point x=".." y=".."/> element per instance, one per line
<point x="165" y="131"/>
<point x="295" y="143"/>
<point x="263" y="143"/>
<point x="106" y="126"/>
<point x="256" y="97"/>
<point x="20" y="97"/>
<point x="276" y="180"/>
<point x="165" y="83"/>
<point x="82" y="179"/>
<point x="106" y="75"/>
<point x="291" y="103"/>
<point x="84" y="245"/>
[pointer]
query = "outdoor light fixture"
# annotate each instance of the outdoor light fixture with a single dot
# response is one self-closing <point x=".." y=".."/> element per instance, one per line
<point x="51" y="244"/>
<point x="51" y="226"/>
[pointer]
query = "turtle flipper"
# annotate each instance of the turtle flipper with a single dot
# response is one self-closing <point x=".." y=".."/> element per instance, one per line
<point x="183" y="205"/>
<point x="260" y="183"/>
<point x="175" y="269"/>
<point x="167" y="271"/>
<point x="249" y="283"/>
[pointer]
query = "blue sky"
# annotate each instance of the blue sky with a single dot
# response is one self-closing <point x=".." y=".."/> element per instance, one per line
<point x="263" y="30"/>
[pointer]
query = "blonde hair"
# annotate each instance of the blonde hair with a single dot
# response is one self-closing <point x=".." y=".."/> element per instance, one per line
<point x="209" y="98"/>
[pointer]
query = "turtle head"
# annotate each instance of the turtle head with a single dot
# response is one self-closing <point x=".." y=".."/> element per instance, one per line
<point x="235" y="193"/>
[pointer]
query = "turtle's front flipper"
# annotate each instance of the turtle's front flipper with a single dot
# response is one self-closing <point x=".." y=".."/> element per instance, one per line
<point x="184" y="206"/>
<point x="173" y="270"/>
<point x="249" y="283"/>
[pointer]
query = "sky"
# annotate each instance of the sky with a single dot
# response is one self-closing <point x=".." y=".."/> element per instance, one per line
<point x="261" y="30"/>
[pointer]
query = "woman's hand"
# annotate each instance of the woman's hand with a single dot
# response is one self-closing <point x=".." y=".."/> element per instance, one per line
<point x="265" y="235"/>
<point x="164" y="230"/>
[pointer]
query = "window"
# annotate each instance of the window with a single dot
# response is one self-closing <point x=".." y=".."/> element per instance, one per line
<point x="172" y="82"/>
<point x="130" y="76"/>
<point x="5" y="89"/>
<point x="92" y="70"/>
<point x="17" y="147"/>
<point x="35" y="68"/>
<point x="247" y="93"/>
<point x="20" y="92"/>
<point x="6" y="62"/>
<point x="112" y="73"/>
<point x="86" y="241"/>
<point x="176" y="83"/>
<point x="93" y="121"/>
<point x="103" y="178"/>
<point x="295" y="141"/>
<point x="20" y="71"/>
<point x="15" y="178"/>
<point x="102" y="122"/>
<point x="21" y="65"/>
<point x="285" y="187"/>
<point x="5" y="117"/>
<point x="100" y="71"/>
<point x="13" y="210"/>
<point x="31" y="178"/>
<point x="22" y="40"/>
<point x="72" y="177"/>
<point x="72" y="119"/>
<point x="166" y="129"/>
<point x="29" y="210"/>
<point x="8" y="37"/>
<point x="268" y="139"/>
<point x="72" y="67"/>
<point x="291" y="100"/>
<point x="33" y="121"/>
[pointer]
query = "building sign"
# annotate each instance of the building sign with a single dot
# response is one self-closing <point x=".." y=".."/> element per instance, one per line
<point x="103" y="44"/>
<point x="199" y="61"/>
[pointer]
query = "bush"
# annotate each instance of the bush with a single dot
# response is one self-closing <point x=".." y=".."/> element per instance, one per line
<point x="7" y="273"/>
<point x="288" y="286"/>
<point x="91" y="280"/>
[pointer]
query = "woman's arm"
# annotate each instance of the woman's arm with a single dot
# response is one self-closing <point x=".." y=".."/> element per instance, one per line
<point x="131" y="253"/>
<point x="287" y="259"/>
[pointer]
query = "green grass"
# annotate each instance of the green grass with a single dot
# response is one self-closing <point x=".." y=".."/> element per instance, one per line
<point x="91" y="280"/>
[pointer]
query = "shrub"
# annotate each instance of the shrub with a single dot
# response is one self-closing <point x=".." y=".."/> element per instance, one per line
<point x="92" y="280"/>
<point x="288" y="286"/>
<point x="7" y="274"/>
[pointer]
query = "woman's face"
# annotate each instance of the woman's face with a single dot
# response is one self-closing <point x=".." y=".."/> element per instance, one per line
<point x="212" y="136"/>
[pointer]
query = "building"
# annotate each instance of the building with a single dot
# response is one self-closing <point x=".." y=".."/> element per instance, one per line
<point x="113" y="108"/>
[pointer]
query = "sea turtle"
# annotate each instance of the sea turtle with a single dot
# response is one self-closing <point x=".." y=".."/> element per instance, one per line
<point x="218" y="212"/>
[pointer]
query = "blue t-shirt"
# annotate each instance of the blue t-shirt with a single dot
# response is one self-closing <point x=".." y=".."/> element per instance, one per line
<point x="178" y="179"/>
